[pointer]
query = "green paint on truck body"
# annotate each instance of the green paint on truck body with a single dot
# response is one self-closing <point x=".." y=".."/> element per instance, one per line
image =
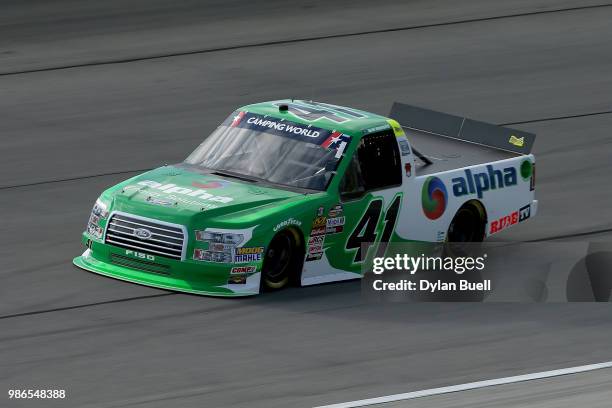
<point x="194" y="199"/>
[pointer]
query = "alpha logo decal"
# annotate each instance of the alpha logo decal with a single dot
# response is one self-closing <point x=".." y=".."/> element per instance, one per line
<point x="211" y="184"/>
<point x="434" y="198"/>
<point x="478" y="183"/>
<point x="188" y="192"/>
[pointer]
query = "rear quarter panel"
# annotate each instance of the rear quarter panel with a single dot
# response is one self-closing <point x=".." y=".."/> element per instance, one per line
<point x="435" y="198"/>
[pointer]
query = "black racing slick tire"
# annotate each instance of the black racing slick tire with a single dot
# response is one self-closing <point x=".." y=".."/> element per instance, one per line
<point x="281" y="261"/>
<point x="468" y="225"/>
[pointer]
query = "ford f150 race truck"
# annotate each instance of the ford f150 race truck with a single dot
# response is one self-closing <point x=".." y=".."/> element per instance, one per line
<point x="304" y="192"/>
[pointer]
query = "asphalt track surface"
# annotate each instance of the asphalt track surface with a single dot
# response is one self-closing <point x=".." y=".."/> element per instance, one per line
<point x="93" y="92"/>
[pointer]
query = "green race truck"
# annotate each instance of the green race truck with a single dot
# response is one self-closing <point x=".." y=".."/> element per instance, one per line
<point x="302" y="192"/>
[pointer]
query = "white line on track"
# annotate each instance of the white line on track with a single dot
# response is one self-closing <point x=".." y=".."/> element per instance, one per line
<point x="469" y="386"/>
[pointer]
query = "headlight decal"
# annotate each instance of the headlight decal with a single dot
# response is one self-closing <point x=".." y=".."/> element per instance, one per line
<point x="98" y="212"/>
<point x="225" y="246"/>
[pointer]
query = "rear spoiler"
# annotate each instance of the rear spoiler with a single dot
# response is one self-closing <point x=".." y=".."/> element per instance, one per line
<point x="457" y="127"/>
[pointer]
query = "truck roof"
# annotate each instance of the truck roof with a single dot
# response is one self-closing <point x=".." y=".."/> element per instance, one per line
<point x="343" y="119"/>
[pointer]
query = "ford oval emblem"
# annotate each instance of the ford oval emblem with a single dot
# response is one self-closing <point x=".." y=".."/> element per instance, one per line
<point x="143" y="233"/>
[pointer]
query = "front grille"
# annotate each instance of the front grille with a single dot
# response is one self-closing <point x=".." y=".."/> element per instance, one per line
<point x="164" y="239"/>
<point x="146" y="266"/>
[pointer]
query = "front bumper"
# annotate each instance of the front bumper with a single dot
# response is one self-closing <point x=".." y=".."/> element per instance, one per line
<point x="182" y="276"/>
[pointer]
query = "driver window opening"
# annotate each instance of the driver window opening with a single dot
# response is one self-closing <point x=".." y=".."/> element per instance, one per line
<point x="375" y="165"/>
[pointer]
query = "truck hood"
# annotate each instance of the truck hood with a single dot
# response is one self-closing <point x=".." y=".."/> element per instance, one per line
<point x="177" y="194"/>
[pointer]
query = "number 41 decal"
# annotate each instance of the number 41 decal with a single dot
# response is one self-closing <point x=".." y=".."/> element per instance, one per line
<point x="364" y="235"/>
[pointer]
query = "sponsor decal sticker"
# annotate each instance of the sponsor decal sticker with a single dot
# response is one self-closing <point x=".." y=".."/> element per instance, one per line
<point x="94" y="219"/>
<point x="524" y="213"/>
<point x="526" y="169"/>
<point x="434" y="198"/>
<point x="219" y="247"/>
<point x="517" y="141"/>
<point x="173" y="189"/>
<point x="504" y="222"/>
<point x="408" y="169"/>
<point x="95" y="231"/>
<point x="320" y="211"/>
<point x="248" y="254"/>
<point x="319" y="222"/>
<point x="479" y="182"/>
<point x="249" y="250"/>
<point x="317" y="242"/>
<point x="285" y="127"/>
<point x="247" y="258"/>
<point x="159" y="201"/>
<point x="241" y="270"/>
<point x="211" y="184"/>
<point x="377" y="128"/>
<point x="200" y="254"/>
<point x="336" y="211"/>
<point x="237" y="280"/>
<point x="334" y="222"/>
<point x="315" y="247"/>
<point x="404" y="146"/>
<point x="318" y="231"/>
<point x="314" y="257"/>
<point x="286" y="223"/>
<point x="334" y="230"/>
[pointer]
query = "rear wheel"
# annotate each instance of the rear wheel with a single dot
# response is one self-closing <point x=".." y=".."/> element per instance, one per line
<point x="468" y="225"/>
<point x="281" y="261"/>
<point x="465" y="233"/>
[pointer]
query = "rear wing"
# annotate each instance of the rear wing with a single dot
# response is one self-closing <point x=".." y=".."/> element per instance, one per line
<point x="457" y="127"/>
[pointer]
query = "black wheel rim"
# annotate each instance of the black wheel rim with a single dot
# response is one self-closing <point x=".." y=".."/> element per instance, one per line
<point x="278" y="259"/>
<point x="463" y="228"/>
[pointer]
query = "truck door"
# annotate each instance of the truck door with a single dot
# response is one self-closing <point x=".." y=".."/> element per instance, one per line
<point x="370" y="201"/>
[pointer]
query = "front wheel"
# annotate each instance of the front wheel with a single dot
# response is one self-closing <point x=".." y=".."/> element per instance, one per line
<point x="280" y="261"/>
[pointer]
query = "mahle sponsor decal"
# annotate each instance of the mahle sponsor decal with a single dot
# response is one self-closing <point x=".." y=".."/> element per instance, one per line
<point x="248" y="254"/>
<point x="479" y="182"/>
<point x="188" y="192"/>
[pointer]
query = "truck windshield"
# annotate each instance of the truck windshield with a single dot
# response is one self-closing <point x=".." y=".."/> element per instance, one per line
<point x="273" y="150"/>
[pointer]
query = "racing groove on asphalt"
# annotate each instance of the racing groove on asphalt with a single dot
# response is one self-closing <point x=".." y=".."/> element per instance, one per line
<point x="121" y="344"/>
